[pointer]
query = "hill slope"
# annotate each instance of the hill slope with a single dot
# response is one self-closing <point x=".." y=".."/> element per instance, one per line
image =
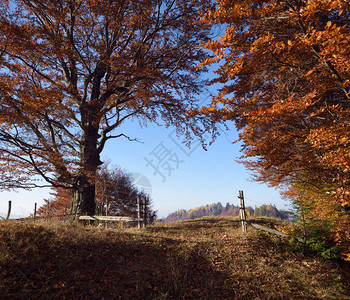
<point x="207" y="258"/>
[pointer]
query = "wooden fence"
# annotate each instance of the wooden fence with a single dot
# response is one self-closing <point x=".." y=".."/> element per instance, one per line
<point x="140" y="220"/>
<point x="258" y="226"/>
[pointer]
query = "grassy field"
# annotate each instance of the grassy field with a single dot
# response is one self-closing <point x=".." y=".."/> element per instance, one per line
<point x="207" y="258"/>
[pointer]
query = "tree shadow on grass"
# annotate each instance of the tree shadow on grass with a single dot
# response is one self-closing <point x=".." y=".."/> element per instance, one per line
<point x="42" y="266"/>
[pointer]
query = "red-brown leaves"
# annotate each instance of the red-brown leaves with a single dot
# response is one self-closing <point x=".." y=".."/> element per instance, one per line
<point x="72" y="71"/>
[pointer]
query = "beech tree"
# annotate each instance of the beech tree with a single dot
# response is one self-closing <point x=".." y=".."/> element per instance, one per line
<point x="285" y="69"/>
<point x="72" y="71"/>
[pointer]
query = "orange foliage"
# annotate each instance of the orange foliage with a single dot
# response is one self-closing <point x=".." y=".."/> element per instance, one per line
<point x="58" y="205"/>
<point x="285" y="66"/>
<point x="72" y="71"/>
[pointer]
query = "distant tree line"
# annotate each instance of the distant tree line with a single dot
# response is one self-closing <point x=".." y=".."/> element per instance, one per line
<point x="217" y="209"/>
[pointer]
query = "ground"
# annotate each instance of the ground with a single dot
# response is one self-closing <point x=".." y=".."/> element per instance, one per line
<point x="208" y="258"/>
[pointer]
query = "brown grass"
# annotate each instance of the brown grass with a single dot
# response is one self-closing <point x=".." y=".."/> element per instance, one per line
<point x="207" y="258"/>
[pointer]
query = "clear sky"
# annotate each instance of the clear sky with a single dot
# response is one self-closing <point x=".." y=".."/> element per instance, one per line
<point x="183" y="178"/>
<point x="179" y="178"/>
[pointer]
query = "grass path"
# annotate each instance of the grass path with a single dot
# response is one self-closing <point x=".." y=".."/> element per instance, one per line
<point x="207" y="258"/>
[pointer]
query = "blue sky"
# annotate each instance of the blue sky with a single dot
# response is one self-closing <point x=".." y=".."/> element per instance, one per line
<point x="183" y="178"/>
<point x="180" y="178"/>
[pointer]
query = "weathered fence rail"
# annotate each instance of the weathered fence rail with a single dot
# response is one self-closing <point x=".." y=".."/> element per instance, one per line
<point x="110" y="218"/>
<point x="274" y="231"/>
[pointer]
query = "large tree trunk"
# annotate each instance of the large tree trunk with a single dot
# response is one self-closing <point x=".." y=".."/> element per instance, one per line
<point x="83" y="194"/>
<point x="83" y="197"/>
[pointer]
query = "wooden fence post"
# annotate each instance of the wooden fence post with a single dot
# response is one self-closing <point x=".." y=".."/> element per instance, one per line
<point x="34" y="216"/>
<point x="144" y="217"/>
<point x="107" y="208"/>
<point x="138" y="213"/>
<point x="9" y="211"/>
<point x="242" y="211"/>
<point x="107" y="213"/>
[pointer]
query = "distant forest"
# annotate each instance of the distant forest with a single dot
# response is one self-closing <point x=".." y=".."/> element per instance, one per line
<point x="217" y="209"/>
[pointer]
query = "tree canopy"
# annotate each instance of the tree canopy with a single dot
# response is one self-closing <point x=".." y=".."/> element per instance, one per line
<point x="285" y="69"/>
<point x="72" y="71"/>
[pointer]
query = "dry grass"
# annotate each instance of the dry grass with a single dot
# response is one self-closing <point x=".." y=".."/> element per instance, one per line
<point x="208" y="258"/>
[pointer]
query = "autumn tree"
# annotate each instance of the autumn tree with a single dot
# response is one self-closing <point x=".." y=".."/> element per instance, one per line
<point x="72" y="71"/>
<point x="115" y="192"/>
<point x="58" y="204"/>
<point x="285" y="69"/>
<point x="116" y="195"/>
